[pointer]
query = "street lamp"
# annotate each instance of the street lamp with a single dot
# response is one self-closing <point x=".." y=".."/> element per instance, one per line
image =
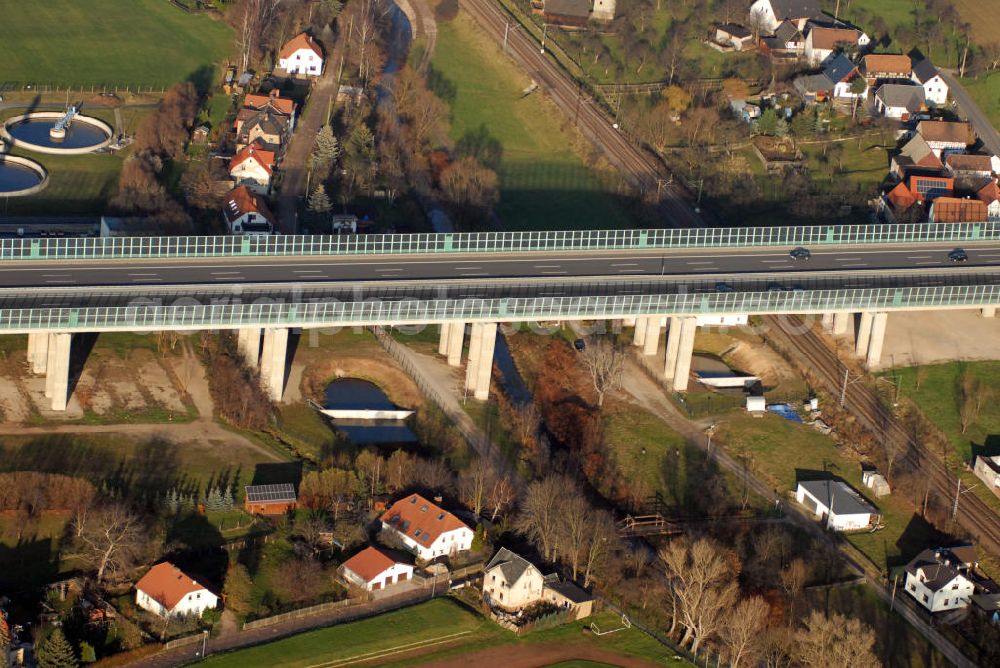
<point x="958" y="493"/>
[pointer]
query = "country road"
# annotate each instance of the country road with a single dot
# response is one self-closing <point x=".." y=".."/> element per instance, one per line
<point x="975" y="115"/>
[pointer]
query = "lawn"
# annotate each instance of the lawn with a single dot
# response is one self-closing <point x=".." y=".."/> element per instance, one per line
<point x="78" y="185"/>
<point x="985" y="91"/>
<point x="777" y="450"/>
<point x="422" y="625"/>
<point x="109" y="42"/>
<point x="544" y="182"/>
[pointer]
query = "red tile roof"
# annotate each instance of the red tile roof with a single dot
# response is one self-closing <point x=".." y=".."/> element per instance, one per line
<point x="887" y="63"/>
<point x="369" y="563"/>
<point x="989" y="193"/>
<point x="957" y="210"/>
<point x="280" y="104"/>
<point x="962" y="162"/>
<point x="300" y="41"/>
<point x="827" y="38"/>
<point x="901" y="197"/>
<point x="946" y="131"/>
<point x="167" y="584"/>
<point x="239" y="201"/>
<point x="421" y="520"/>
<point x="263" y="158"/>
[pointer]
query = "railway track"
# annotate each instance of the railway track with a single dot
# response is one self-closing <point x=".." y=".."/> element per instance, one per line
<point x="974" y="516"/>
<point x="644" y="170"/>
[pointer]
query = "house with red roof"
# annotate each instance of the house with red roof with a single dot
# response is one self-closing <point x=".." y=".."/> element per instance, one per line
<point x="246" y="213"/>
<point x="253" y="167"/>
<point x="426" y="529"/>
<point x="957" y="210"/>
<point x="374" y="568"/>
<point x="301" y="55"/>
<point x="167" y="591"/>
<point x="990" y="196"/>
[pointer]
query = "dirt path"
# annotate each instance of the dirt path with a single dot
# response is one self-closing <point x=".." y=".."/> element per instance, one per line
<point x="536" y="655"/>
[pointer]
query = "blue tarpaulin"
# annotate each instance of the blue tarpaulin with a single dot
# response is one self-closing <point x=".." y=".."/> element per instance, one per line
<point x="786" y="411"/>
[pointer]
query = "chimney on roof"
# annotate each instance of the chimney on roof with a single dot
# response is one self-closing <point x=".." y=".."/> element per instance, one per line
<point x="438" y="499"/>
<point x="275" y="94"/>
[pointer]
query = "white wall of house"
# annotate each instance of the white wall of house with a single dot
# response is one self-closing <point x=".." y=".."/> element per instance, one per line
<point x="842" y="90"/>
<point x="981" y="468"/>
<point x="993" y="214"/>
<point x="194" y="603"/>
<point x="513" y="595"/>
<point x="767" y="20"/>
<point x="935" y="89"/>
<point x="303" y="61"/>
<point x="956" y="594"/>
<point x="398" y="572"/>
<point x="890" y="112"/>
<point x="449" y="542"/>
<point x="236" y="226"/>
<point x="836" y="522"/>
<point x="252" y="174"/>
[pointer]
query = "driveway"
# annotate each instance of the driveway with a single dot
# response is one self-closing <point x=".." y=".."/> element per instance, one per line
<point x="975" y="115"/>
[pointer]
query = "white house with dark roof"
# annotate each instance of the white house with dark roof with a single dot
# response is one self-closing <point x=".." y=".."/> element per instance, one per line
<point x="511" y="582"/>
<point x="770" y="13"/>
<point x="426" y="529"/>
<point x="940" y="580"/>
<point x="928" y="76"/>
<point x="899" y="100"/>
<point x="834" y="503"/>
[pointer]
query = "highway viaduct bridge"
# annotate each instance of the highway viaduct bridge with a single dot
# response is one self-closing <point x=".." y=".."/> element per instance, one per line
<point x="52" y="289"/>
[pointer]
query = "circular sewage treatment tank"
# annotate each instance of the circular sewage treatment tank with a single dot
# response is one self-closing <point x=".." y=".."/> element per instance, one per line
<point x="33" y="132"/>
<point x="20" y="176"/>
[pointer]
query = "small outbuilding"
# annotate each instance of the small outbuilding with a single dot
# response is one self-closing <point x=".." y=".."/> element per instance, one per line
<point x="270" y="499"/>
<point x="569" y="596"/>
<point x="836" y="503"/>
<point x="373" y="569"/>
<point x="876" y="482"/>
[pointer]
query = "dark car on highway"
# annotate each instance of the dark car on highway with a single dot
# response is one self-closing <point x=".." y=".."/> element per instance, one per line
<point x="958" y="255"/>
<point x="800" y="253"/>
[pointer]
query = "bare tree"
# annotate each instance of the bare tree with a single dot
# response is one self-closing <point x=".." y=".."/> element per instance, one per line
<point x="501" y="496"/>
<point x="110" y="540"/>
<point x="371" y="466"/>
<point x="835" y="641"/>
<point x="474" y="485"/>
<point x="601" y="538"/>
<point x="606" y="362"/>
<point x="704" y="582"/>
<point x="575" y="528"/>
<point x="399" y="470"/>
<point x="793" y="580"/>
<point x="969" y="403"/>
<point x="541" y="513"/>
<point x="524" y="422"/>
<point x="741" y="634"/>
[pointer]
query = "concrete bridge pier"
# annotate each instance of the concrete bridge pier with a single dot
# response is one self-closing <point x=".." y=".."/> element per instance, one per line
<point x="248" y="344"/>
<point x="273" y="360"/>
<point x="479" y="369"/>
<point x="841" y="323"/>
<point x="879" y="322"/>
<point x="639" y="337"/>
<point x="989" y="311"/>
<point x="685" y="349"/>
<point x="828" y="322"/>
<point x="57" y="369"/>
<point x="673" y="345"/>
<point x="456" y="339"/>
<point x="38" y="351"/>
<point x="864" y="333"/>
<point x="651" y="339"/>
<point x="443" y="339"/>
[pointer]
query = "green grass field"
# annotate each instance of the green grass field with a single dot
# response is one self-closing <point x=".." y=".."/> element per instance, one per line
<point x="779" y="449"/>
<point x="985" y="90"/>
<point x="544" y="183"/>
<point x="420" y="628"/>
<point x="109" y="42"/>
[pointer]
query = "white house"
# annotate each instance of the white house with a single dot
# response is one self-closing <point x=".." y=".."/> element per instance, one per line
<point x="899" y="100"/>
<point x="836" y="504"/>
<point x="767" y="14"/>
<point x="511" y="582"/>
<point x="253" y="167"/>
<point x="821" y="42"/>
<point x="987" y="469"/>
<point x="167" y="591"/>
<point x="246" y="213"/>
<point x="301" y="55"/>
<point x="935" y="87"/>
<point x="427" y="530"/>
<point x="939" y="579"/>
<point x="990" y="196"/>
<point x="373" y="569"/>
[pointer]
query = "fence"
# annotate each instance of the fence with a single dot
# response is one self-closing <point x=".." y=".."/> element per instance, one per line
<point x="50" y="87"/>
<point x="492" y="242"/>
<point x="333" y="313"/>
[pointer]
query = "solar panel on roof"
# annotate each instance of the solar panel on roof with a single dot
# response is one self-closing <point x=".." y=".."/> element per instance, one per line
<point x="270" y="493"/>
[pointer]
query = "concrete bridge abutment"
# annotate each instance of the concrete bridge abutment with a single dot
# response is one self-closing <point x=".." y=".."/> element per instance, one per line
<point x="248" y="344"/>
<point x="651" y="338"/>
<point x="273" y="361"/>
<point x="989" y="311"/>
<point x="479" y="369"/>
<point x="639" y="337"/>
<point x="685" y="349"/>
<point x="57" y="369"/>
<point x="456" y="340"/>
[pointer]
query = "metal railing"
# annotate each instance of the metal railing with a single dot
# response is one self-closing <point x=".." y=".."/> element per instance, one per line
<point x="336" y="313"/>
<point x="110" y="248"/>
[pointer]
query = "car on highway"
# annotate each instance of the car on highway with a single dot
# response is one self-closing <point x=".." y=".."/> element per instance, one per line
<point x="800" y="253"/>
<point x="722" y="286"/>
<point x="958" y="255"/>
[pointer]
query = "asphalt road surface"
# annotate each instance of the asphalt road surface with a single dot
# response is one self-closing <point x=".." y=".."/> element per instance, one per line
<point x="975" y="115"/>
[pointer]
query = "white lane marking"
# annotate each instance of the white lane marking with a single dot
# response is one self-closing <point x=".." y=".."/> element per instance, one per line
<point x="703" y="262"/>
<point x="985" y="255"/>
<point x="477" y="266"/>
<point x="845" y="259"/>
<point x="137" y="280"/>
<point x="555" y="272"/>
<point x="228" y="278"/>
<point x="314" y="271"/>
<point x="858" y="264"/>
<point x="922" y="257"/>
<point x="614" y="264"/>
<point x="631" y="271"/>
<point x="142" y="274"/>
<point x="480" y="274"/>
<point x="705" y="269"/>
<point x="930" y="262"/>
<point x="783" y="261"/>
<point x="221" y="273"/>
<point x="54" y="280"/>
<point x="65" y="273"/>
